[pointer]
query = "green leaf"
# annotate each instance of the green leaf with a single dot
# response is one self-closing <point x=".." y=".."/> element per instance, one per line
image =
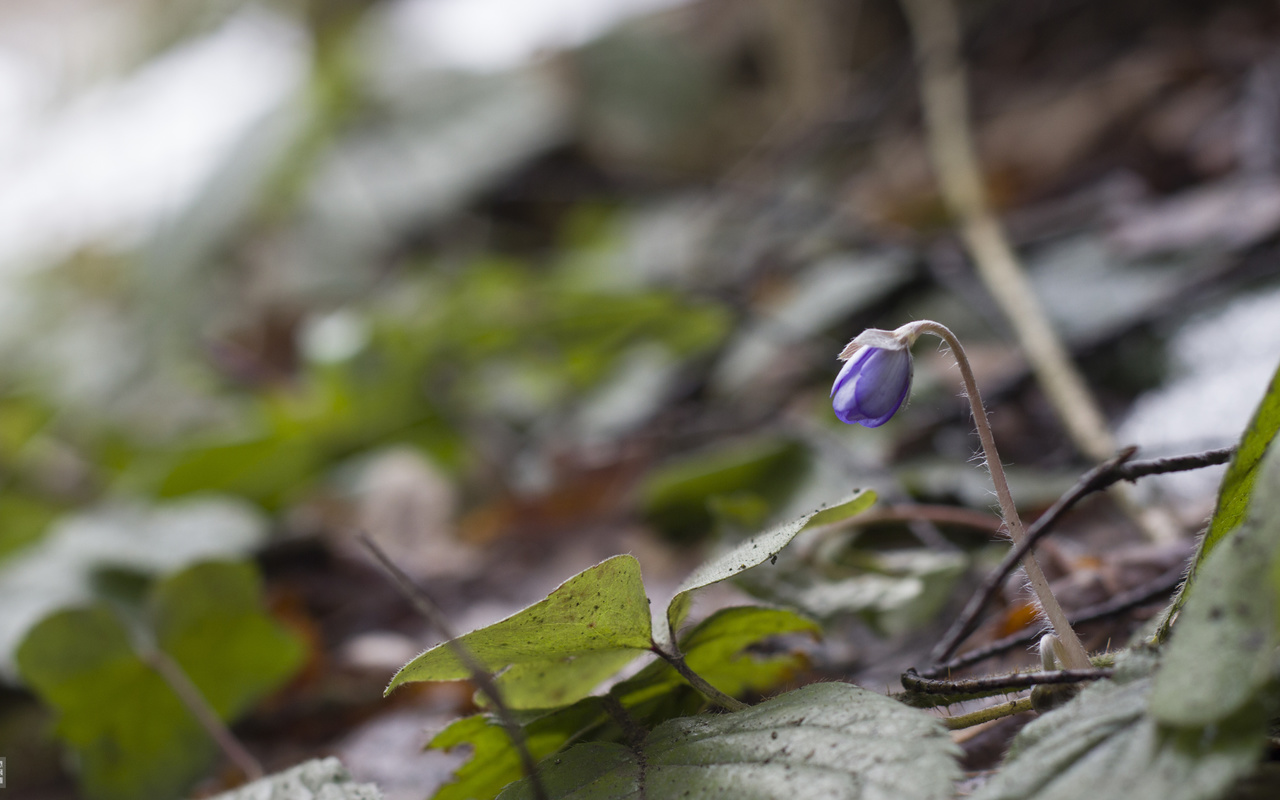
<point x="558" y="649"/>
<point x="1237" y="484"/>
<point x="264" y="469"/>
<point x="320" y="778"/>
<point x="64" y="568"/>
<point x="714" y="649"/>
<point x="23" y="520"/>
<point x="657" y="693"/>
<point x="894" y="591"/>
<point x="494" y="763"/>
<point x="557" y="681"/>
<point x="1234" y="496"/>
<point x="825" y="740"/>
<point x="1222" y="651"/>
<point x="753" y="552"/>
<point x="209" y="619"/>
<point x="132" y="736"/>
<point x="1104" y="744"/>
<point x="675" y="497"/>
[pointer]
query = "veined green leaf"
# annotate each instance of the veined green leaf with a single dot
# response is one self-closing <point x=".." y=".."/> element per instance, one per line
<point x="1222" y="651"/>
<point x="321" y="778"/>
<point x="494" y="763"/>
<point x="558" y="649"/>
<point x="713" y="649"/>
<point x="754" y="552"/>
<point x="1235" y="495"/>
<point x="831" y="740"/>
<point x="1104" y="744"/>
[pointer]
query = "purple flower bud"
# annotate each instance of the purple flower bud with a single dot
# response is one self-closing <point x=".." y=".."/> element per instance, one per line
<point x="872" y="386"/>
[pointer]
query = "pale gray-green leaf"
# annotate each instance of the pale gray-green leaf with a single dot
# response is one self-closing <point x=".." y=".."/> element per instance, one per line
<point x="1104" y="744"/>
<point x="320" y="779"/>
<point x="59" y="571"/>
<point x="895" y="591"/>
<point x="1222" y="652"/>
<point x="830" y="740"/>
<point x="755" y="551"/>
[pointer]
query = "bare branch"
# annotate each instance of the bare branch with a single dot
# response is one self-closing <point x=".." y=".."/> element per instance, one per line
<point x="1119" y="604"/>
<point x="676" y="659"/>
<point x="172" y="673"/>
<point x="1099" y="478"/>
<point x="912" y="682"/>
<point x="430" y="609"/>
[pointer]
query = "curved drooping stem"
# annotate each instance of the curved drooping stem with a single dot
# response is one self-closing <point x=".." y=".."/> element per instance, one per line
<point x="1073" y="652"/>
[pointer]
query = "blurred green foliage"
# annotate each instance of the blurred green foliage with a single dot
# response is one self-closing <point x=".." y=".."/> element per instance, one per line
<point x="749" y="478"/>
<point x="132" y="735"/>
<point x="491" y="341"/>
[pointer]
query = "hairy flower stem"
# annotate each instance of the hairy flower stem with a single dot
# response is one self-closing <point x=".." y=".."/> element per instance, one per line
<point x="1074" y="655"/>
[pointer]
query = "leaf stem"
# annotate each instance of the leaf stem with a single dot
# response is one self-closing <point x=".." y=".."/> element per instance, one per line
<point x="1074" y="653"/>
<point x="988" y="714"/>
<point x="676" y="659"/>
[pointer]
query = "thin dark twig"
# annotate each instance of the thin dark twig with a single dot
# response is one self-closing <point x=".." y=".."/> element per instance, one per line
<point x="912" y="682"/>
<point x="429" y="608"/>
<point x="1159" y="466"/>
<point x="195" y="701"/>
<point x="1119" y="604"/>
<point x="1134" y="597"/>
<point x="968" y="619"/>
<point x="1096" y="479"/>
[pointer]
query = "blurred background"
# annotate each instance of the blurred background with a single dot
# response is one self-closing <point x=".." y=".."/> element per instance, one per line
<point x="516" y="285"/>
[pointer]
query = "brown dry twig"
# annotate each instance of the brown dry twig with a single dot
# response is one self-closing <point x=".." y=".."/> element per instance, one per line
<point x="936" y="32"/>
<point x="912" y="682"/>
<point x="940" y="514"/>
<point x="1125" y="601"/>
<point x="1097" y="479"/>
<point x="430" y="609"/>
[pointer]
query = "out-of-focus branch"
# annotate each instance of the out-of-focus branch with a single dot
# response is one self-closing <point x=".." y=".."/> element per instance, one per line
<point x="191" y="696"/>
<point x="936" y="33"/>
<point x="807" y="64"/>
<point x="430" y="609"/>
